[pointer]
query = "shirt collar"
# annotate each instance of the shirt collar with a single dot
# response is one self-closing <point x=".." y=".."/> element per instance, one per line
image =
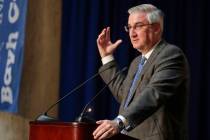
<point x="147" y="55"/>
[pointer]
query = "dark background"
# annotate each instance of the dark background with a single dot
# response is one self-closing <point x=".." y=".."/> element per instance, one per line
<point x="186" y="25"/>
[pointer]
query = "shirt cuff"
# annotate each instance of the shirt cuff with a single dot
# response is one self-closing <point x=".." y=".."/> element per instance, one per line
<point x="107" y="59"/>
<point x="125" y="122"/>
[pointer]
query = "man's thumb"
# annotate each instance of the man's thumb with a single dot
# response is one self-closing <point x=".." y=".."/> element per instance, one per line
<point x="117" y="43"/>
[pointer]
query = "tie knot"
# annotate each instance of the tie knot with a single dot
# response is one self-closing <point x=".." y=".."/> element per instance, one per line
<point x="143" y="59"/>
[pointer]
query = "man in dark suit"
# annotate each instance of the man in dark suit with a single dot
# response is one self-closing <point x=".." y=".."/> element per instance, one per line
<point x="153" y="94"/>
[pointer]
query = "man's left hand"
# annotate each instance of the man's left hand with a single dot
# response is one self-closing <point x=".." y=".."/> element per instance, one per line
<point x="106" y="129"/>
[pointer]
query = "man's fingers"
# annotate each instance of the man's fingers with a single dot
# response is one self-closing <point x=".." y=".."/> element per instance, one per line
<point x="105" y="130"/>
<point x="100" y="122"/>
<point x="105" y="46"/>
<point x="117" y="43"/>
<point x="100" y="40"/>
<point x="108" y="34"/>
<point x="102" y="128"/>
<point x="98" y="129"/>
<point x="106" y="134"/>
<point x="102" y="34"/>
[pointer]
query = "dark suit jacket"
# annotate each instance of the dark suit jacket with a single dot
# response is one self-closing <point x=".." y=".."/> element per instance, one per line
<point x="158" y="109"/>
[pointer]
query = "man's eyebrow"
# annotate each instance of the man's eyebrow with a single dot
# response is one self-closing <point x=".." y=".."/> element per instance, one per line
<point x="138" y="23"/>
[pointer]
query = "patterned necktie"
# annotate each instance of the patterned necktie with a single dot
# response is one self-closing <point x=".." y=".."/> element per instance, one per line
<point x="136" y="78"/>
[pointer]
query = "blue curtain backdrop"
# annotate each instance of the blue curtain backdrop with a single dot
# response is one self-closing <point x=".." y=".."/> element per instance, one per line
<point x="186" y="25"/>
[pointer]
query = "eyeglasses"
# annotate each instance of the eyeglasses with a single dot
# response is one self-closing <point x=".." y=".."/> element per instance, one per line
<point x="136" y="27"/>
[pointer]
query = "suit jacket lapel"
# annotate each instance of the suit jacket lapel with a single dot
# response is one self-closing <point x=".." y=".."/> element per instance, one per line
<point x="149" y="62"/>
<point x="151" y="59"/>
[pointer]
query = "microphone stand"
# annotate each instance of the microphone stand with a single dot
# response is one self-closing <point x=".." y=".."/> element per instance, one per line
<point x="82" y="117"/>
<point x="44" y="116"/>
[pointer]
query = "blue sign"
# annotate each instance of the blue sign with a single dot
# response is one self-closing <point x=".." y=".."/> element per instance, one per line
<point x="12" y="30"/>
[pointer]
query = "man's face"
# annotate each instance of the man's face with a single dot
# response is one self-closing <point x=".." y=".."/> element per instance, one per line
<point x="142" y="34"/>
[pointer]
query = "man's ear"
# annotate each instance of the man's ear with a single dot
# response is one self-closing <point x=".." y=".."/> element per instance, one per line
<point x="157" y="28"/>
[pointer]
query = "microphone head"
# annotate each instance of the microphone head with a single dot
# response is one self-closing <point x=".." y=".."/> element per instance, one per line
<point x="79" y="119"/>
<point x="83" y="117"/>
<point x="89" y="110"/>
<point x="45" y="118"/>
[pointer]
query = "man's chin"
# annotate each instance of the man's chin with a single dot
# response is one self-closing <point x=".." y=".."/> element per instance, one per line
<point x="136" y="47"/>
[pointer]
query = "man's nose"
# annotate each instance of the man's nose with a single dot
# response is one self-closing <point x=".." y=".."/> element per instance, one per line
<point x="132" y="33"/>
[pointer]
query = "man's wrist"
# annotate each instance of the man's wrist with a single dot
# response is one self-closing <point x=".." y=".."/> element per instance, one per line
<point x="107" y="59"/>
<point x="126" y="126"/>
<point x="120" y="123"/>
<point x="124" y="120"/>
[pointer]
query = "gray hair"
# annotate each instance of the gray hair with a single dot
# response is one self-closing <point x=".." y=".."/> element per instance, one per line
<point x="154" y="15"/>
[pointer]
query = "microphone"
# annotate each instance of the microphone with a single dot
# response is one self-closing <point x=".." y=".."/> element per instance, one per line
<point x="82" y="117"/>
<point x="44" y="116"/>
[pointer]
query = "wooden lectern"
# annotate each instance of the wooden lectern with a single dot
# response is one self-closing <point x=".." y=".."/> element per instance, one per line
<point x="66" y="131"/>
